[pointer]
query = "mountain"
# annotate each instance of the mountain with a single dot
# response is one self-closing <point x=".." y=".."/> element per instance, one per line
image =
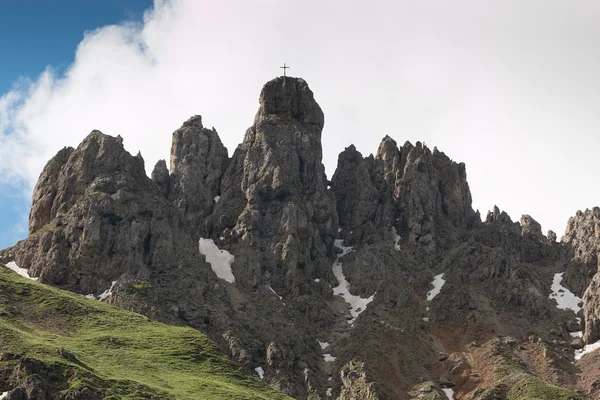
<point x="380" y="283"/>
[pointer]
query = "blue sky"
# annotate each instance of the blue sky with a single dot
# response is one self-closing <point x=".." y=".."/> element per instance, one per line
<point x="35" y="34"/>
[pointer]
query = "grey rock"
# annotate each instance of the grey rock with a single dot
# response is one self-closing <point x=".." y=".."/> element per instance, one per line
<point x="530" y="226"/>
<point x="198" y="161"/>
<point x="577" y="343"/>
<point x="583" y="237"/>
<point x="355" y="384"/>
<point x="160" y="177"/>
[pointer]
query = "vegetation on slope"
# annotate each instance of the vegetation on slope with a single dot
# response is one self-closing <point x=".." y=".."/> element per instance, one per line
<point x="81" y="348"/>
<point x="513" y="381"/>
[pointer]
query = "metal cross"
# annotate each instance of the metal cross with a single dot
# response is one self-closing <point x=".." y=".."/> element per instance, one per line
<point x="284" y="68"/>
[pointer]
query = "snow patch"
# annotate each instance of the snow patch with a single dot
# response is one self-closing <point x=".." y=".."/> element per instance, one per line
<point x="576" y="334"/>
<point x="323" y="345"/>
<point x="449" y="393"/>
<point x="107" y="293"/>
<point x="270" y="288"/>
<point x="21" y="271"/>
<point x="220" y="260"/>
<point x="3" y="395"/>
<point x="426" y="319"/>
<point x="327" y="392"/>
<point x="565" y="299"/>
<point x="260" y="372"/>
<point x="216" y="199"/>
<point x="328" y="357"/>
<point x="396" y="238"/>
<point x="438" y="283"/>
<point x="357" y="303"/>
<point x="90" y="296"/>
<point x="317" y="280"/>
<point x="588" y="348"/>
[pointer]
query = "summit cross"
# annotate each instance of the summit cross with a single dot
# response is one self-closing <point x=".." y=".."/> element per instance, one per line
<point x="284" y="68"/>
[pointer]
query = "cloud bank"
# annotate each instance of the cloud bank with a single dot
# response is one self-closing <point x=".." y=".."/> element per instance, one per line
<point x="508" y="87"/>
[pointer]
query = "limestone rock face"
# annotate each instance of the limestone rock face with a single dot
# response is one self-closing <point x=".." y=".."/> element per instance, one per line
<point x="276" y="185"/>
<point x="198" y="160"/>
<point x="160" y="176"/>
<point x="583" y="235"/>
<point x="45" y="204"/>
<point x="530" y="226"/>
<point x="422" y="194"/>
<point x="99" y="219"/>
<point x="358" y="184"/>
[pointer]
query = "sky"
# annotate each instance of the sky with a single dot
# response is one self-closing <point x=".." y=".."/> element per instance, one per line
<point x="511" y="88"/>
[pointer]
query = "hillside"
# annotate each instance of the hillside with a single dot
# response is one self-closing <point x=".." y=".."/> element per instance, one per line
<point x="59" y="345"/>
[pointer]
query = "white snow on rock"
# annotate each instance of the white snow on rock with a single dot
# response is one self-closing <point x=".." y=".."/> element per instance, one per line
<point x="323" y="345"/>
<point x="396" y="238"/>
<point x="3" y="395"/>
<point x="270" y="288"/>
<point x="327" y="392"/>
<point x="216" y="199"/>
<point x="21" y="271"/>
<point x="565" y="299"/>
<point x="588" y="348"/>
<point x="576" y="334"/>
<point x="107" y="293"/>
<point x="438" y="283"/>
<point x="220" y="260"/>
<point x="449" y="393"/>
<point x="426" y="319"/>
<point x="357" y="303"/>
<point x="328" y="357"/>
<point x="90" y="296"/>
<point x="260" y="372"/>
<point x="317" y="280"/>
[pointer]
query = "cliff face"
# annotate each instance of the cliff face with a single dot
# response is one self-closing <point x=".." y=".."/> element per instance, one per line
<point x="423" y="195"/>
<point x="300" y="280"/>
<point x="275" y="209"/>
<point x="583" y="237"/>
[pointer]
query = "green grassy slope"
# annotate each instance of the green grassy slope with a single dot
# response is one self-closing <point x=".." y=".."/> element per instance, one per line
<point x="515" y="382"/>
<point x="115" y="353"/>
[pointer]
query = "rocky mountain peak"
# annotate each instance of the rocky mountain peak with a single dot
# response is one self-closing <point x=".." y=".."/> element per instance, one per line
<point x="198" y="161"/>
<point x="290" y="98"/>
<point x="530" y="226"/>
<point x="99" y="164"/>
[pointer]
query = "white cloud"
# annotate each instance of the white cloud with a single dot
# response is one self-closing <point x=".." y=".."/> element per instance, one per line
<point x="509" y="87"/>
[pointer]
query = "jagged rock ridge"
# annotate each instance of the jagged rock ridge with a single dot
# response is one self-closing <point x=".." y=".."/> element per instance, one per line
<point x="406" y="212"/>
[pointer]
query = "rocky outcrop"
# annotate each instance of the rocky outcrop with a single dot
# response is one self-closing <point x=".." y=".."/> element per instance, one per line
<point x="583" y="236"/>
<point x="45" y="204"/>
<point x="100" y="220"/>
<point x="198" y="160"/>
<point x="276" y="184"/>
<point x="355" y="385"/>
<point x="160" y="177"/>
<point x="422" y="194"/>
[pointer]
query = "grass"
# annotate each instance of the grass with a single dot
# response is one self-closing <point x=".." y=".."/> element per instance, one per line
<point x="140" y="287"/>
<point x="121" y="355"/>
<point x="514" y="379"/>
